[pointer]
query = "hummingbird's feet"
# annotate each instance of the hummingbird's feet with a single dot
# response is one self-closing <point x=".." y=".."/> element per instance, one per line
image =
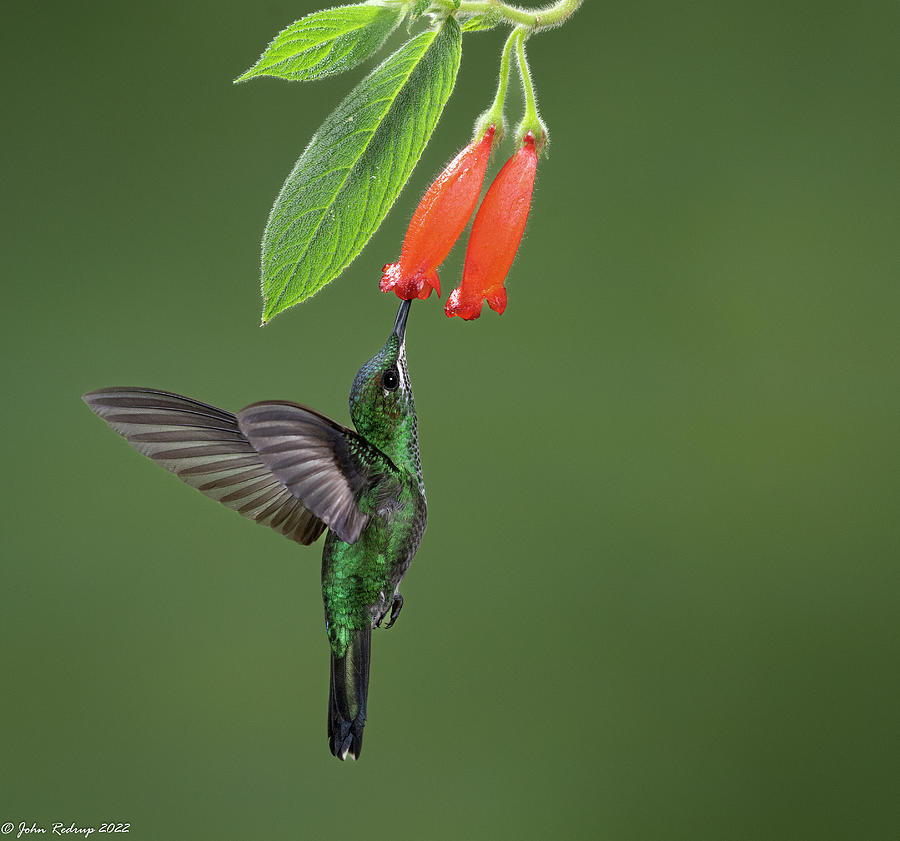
<point x="396" y="607"/>
<point x="393" y="608"/>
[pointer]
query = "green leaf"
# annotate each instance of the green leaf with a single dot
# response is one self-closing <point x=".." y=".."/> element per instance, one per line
<point x="351" y="173"/>
<point x="416" y="11"/>
<point x="326" y="42"/>
<point x="477" y="23"/>
<point x="418" y="8"/>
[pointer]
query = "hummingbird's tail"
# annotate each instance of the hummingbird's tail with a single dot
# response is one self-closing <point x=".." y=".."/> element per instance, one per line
<point x="347" y="699"/>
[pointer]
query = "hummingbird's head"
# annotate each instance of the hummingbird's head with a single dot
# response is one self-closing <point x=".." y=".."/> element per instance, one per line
<point x="381" y="400"/>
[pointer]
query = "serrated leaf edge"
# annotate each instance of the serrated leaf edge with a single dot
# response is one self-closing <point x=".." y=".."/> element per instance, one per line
<point x="249" y="74"/>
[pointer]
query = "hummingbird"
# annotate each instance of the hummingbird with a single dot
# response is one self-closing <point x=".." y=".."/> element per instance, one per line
<point x="297" y="471"/>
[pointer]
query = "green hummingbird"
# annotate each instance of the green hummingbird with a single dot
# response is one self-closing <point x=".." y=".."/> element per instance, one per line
<point x="293" y="469"/>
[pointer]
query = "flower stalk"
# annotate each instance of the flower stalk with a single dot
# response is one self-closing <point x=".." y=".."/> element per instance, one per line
<point x="535" y="21"/>
<point x="495" y="116"/>
<point x="532" y="121"/>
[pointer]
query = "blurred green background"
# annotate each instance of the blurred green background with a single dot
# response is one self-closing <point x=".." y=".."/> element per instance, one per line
<point x="658" y="595"/>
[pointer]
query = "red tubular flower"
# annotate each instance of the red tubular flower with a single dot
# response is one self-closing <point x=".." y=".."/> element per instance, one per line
<point x="496" y="233"/>
<point x="438" y="221"/>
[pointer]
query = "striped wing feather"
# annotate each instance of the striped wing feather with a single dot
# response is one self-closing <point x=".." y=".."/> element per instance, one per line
<point x="204" y="446"/>
<point x="323" y="463"/>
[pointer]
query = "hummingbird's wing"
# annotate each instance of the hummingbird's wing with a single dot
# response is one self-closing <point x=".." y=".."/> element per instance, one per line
<point x="324" y="464"/>
<point x="204" y="446"/>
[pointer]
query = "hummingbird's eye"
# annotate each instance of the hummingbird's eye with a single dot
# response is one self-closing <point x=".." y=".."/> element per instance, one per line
<point x="390" y="379"/>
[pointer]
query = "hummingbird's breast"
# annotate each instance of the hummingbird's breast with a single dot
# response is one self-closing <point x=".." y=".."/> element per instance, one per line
<point x="359" y="579"/>
<point x="414" y="511"/>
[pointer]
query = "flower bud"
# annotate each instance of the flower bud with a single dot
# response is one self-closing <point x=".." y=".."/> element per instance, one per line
<point x="440" y="218"/>
<point x="496" y="233"/>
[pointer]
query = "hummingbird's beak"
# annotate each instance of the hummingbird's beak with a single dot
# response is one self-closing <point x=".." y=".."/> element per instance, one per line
<point x="400" y="323"/>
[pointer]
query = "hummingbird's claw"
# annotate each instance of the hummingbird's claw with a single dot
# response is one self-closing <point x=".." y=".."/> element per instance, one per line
<point x="396" y="607"/>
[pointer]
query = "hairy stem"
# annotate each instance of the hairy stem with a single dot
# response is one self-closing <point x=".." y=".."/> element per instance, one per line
<point x="497" y="108"/>
<point x="531" y="121"/>
<point x="534" y="20"/>
<point x="531" y="114"/>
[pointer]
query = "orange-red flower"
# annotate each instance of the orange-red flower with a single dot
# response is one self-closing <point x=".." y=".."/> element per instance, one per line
<point x="440" y="218"/>
<point x="496" y="233"/>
